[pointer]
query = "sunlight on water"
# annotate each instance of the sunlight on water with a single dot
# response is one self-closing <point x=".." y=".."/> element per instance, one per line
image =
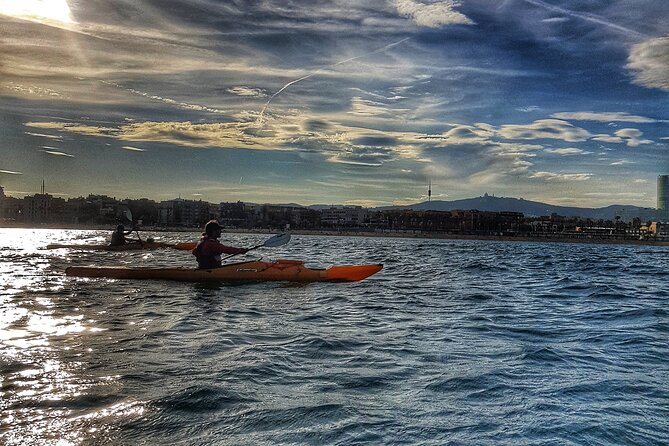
<point x="42" y="380"/>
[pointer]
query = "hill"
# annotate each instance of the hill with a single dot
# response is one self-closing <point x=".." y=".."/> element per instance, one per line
<point x="532" y="208"/>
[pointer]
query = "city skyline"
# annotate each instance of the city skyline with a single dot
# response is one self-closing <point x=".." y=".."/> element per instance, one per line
<point x="358" y="103"/>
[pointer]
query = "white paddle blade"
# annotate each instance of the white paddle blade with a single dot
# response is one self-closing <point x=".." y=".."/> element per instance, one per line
<point x="277" y="240"/>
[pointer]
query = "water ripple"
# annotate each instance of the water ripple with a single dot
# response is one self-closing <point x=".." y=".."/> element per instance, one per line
<point x="454" y="342"/>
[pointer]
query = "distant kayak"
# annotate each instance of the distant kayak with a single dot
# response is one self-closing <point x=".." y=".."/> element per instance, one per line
<point x="279" y="270"/>
<point x="127" y="247"/>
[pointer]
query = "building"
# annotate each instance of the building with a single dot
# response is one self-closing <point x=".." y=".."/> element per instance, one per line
<point x="180" y="212"/>
<point x="663" y="196"/>
<point x="43" y="208"/>
<point x="350" y="216"/>
<point x="662" y="230"/>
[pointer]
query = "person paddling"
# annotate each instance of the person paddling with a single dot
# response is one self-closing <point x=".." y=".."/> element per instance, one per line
<point x="208" y="250"/>
<point x="118" y="236"/>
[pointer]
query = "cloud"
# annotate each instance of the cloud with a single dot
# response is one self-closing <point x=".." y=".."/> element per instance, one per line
<point x="603" y="137"/>
<point x="180" y="104"/>
<point x="33" y="90"/>
<point x="649" y="63"/>
<point x="632" y="137"/>
<point x="364" y="107"/>
<point x="44" y="136"/>
<point x="432" y="15"/>
<point x="567" y="151"/>
<point x="586" y="17"/>
<point x="52" y="151"/>
<point x="10" y="172"/>
<point x="299" y="133"/>
<point x="133" y="149"/>
<point x="247" y="91"/>
<point x="545" y="129"/>
<point x="603" y="117"/>
<point x="366" y="156"/>
<point x="466" y="134"/>
<point x="228" y="135"/>
<point x="561" y="177"/>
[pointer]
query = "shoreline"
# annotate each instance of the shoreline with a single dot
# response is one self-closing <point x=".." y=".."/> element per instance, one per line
<point x="543" y="238"/>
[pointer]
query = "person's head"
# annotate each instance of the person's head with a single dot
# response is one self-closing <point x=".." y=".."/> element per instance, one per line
<point x="212" y="229"/>
<point x="120" y="228"/>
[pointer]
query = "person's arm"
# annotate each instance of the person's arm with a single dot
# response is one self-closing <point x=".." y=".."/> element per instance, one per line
<point x="215" y="248"/>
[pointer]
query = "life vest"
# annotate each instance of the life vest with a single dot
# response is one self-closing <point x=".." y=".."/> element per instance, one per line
<point x="205" y="261"/>
<point x="117" y="239"/>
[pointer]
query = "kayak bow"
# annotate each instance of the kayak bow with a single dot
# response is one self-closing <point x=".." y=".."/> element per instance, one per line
<point x="279" y="270"/>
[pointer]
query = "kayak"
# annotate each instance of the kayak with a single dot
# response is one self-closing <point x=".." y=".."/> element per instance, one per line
<point x="278" y="270"/>
<point x="127" y="247"/>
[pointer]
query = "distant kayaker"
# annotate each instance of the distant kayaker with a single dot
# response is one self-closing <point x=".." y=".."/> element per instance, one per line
<point x="118" y="236"/>
<point x="208" y="250"/>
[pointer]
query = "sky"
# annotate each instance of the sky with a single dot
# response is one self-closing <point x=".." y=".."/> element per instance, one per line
<point x="358" y="102"/>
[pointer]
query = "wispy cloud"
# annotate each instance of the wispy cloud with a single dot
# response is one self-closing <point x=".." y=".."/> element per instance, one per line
<point x="587" y="17"/>
<point x="649" y="62"/>
<point x="133" y="149"/>
<point x="53" y="151"/>
<point x="247" y="91"/>
<point x="621" y="163"/>
<point x="10" y="172"/>
<point x="42" y="135"/>
<point x="567" y="151"/>
<point x="553" y="176"/>
<point x="603" y="117"/>
<point x="321" y="70"/>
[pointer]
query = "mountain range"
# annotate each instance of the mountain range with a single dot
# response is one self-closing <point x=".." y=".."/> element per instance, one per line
<point x="532" y="208"/>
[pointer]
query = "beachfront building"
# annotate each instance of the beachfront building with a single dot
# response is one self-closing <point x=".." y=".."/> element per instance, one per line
<point x="663" y="196"/>
<point x="181" y="212"/>
<point x="350" y="216"/>
<point x="43" y="208"/>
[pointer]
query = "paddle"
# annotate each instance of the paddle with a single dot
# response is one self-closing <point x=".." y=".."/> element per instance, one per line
<point x="272" y="242"/>
<point x="128" y="215"/>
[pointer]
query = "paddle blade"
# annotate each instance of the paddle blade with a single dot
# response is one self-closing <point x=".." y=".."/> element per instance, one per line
<point x="128" y="215"/>
<point x="277" y="240"/>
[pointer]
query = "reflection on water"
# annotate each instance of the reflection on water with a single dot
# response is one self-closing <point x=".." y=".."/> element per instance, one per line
<point x="46" y="394"/>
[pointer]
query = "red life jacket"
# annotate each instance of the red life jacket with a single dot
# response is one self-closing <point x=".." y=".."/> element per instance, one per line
<point x="206" y="260"/>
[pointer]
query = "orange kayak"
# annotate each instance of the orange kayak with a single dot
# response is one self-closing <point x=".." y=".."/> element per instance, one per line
<point x="279" y="270"/>
<point x="127" y="247"/>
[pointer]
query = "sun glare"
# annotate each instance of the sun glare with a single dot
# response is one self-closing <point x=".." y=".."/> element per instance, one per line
<point x="37" y="10"/>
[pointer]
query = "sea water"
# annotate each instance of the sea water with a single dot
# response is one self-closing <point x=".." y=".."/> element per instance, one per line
<point x="453" y="343"/>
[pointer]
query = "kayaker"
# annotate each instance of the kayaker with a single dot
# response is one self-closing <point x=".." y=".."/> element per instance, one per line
<point x="118" y="236"/>
<point x="208" y="250"/>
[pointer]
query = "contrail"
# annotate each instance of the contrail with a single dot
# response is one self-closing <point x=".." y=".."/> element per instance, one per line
<point x="588" y="17"/>
<point x="320" y="70"/>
